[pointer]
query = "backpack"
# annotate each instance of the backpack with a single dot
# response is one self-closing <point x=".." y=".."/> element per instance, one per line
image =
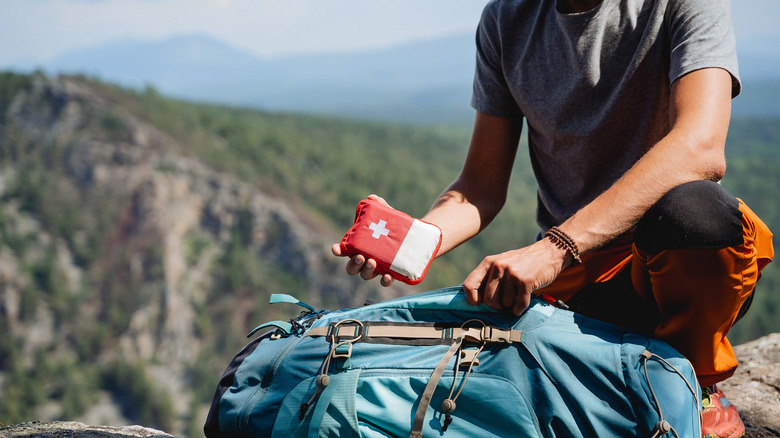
<point x="433" y="365"/>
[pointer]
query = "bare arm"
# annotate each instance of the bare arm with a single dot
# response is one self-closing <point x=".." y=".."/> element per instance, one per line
<point x="473" y="200"/>
<point x="700" y="108"/>
<point x="693" y="150"/>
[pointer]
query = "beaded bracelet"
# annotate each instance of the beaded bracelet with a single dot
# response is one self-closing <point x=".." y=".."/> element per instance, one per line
<point x="564" y="241"/>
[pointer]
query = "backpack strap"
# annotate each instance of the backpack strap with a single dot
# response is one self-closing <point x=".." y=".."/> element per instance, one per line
<point x="425" y="400"/>
<point x="372" y="330"/>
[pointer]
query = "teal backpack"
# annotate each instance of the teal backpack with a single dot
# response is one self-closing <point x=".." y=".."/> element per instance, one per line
<point x="433" y="365"/>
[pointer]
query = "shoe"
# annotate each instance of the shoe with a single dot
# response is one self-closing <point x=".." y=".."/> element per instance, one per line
<point x="720" y="418"/>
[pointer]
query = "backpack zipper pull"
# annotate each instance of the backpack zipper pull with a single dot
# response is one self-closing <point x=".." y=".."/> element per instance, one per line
<point x="447" y="421"/>
<point x="447" y="406"/>
<point x="304" y="408"/>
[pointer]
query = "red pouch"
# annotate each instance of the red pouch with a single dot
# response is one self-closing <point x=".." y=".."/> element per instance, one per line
<point x="402" y="246"/>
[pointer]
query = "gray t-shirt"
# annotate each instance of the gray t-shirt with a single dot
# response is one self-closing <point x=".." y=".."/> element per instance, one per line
<point x="594" y="87"/>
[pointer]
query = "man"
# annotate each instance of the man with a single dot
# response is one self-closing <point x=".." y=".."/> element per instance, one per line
<point x="627" y="103"/>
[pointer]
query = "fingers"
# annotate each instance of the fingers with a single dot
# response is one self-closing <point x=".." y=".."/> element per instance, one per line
<point x="380" y="199"/>
<point x="521" y="303"/>
<point x="386" y="280"/>
<point x="355" y="264"/>
<point x="509" y="294"/>
<point x="368" y="270"/>
<point x="496" y="284"/>
<point x="493" y="288"/>
<point x="359" y="264"/>
<point x="472" y="285"/>
<point x="484" y="284"/>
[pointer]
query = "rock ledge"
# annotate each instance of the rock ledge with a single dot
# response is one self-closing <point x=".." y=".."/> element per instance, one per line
<point x="755" y="387"/>
<point x="72" y="429"/>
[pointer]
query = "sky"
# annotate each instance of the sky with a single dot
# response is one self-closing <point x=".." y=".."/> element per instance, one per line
<point x="43" y="29"/>
<point x="40" y="30"/>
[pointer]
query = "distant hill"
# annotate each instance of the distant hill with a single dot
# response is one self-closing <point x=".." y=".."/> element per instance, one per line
<point x="759" y="66"/>
<point x="173" y="65"/>
<point x="420" y="82"/>
<point x="759" y="98"/>
<point x="405" y="82"/>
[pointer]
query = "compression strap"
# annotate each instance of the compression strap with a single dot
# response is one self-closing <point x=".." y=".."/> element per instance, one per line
<point x="377" y="330"/>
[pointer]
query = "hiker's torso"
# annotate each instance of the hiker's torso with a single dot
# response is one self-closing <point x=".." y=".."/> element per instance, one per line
<point x="593" y="86"/>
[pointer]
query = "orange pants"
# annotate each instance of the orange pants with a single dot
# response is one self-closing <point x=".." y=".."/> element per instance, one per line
<point x="688" y="297"/>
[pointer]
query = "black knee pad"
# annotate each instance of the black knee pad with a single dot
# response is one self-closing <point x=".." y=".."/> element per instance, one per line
<point x="698" y="214"/>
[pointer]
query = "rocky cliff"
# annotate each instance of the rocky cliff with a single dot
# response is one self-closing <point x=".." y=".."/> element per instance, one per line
<point x="129" y="270"/>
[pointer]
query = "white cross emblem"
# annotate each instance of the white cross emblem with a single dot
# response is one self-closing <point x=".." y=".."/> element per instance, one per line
<point x="379" y="229"/>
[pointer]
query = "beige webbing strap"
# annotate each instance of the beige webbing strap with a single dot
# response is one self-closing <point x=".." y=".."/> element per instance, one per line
<point x="383" y="331"/>
<point x="487" y="334"/>
<point x="425" y="400"/>
<point x="405" y="332"/>
<point x="323" y="331"/>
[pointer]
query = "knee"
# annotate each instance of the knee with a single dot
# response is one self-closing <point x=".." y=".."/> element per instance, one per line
<point x="698" y="214"/>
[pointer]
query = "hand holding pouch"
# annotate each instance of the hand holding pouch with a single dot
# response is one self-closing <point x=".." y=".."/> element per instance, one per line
<point x="402" y="246"/>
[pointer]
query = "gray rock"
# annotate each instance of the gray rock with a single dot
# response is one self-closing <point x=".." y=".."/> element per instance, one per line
<point x="72" y="429"/>
<point x="755" y="387"/>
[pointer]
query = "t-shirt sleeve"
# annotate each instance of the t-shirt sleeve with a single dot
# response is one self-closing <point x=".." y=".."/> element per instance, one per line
<point x="702" y="36"/>
<point x="491" y="94"/>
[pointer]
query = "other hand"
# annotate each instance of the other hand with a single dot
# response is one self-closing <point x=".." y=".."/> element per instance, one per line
<point x="506" y="281"/>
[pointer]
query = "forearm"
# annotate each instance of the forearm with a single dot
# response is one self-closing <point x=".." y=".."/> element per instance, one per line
<point x="693" y="150"/>
<point x="471" y="202"/>
<point x="619" y="208"/>
<point x="460" y="215"/>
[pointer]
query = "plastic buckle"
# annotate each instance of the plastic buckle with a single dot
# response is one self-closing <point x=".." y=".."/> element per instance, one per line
<point x="493" y="334"/>
<point x="468" y="358"/>
<point x="341" y="353"/>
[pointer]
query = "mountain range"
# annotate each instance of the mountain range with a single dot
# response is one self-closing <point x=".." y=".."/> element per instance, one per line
<point x="419" y="82"/>
<point x="404" y="82"/>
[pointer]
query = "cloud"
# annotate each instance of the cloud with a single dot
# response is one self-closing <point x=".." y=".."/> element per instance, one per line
<point x="264" y="27"/>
